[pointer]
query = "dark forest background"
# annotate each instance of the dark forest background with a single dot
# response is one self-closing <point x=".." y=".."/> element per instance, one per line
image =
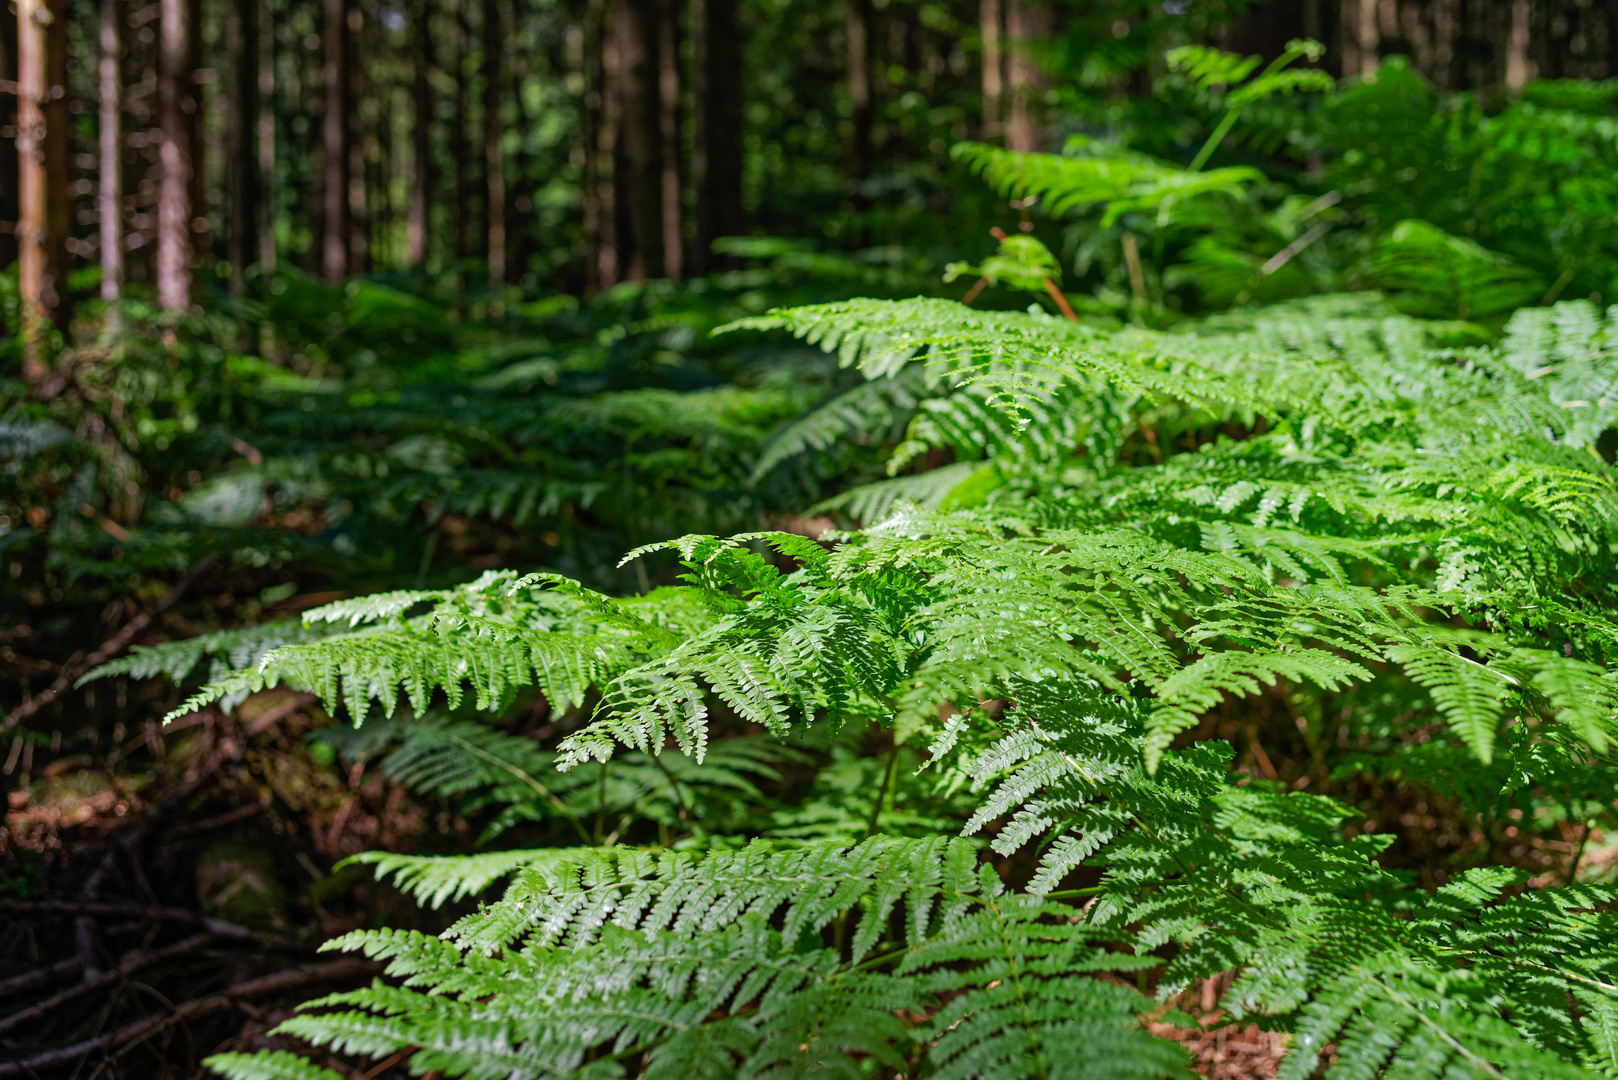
<point x="501" y="148"/>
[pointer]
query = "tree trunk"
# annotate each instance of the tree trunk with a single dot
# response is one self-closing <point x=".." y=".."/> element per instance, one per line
<point x="1027" y="22"/>
<point x="355" y="92"/>
<point x="1519" y="68"/>
<point x="494" y="160"/>
<point x="8" y="149"/>
<point x="460" y="212"/>
<point x="110" y="194"/>
<point x="421" y="93"/>
<point x="334" y="142"/>
<point x="42" y="141"/>
<point x="989" y="23"/>
<point x="668" y="87"/>
<point x="242" y="154"/>
<point x="859" y="86"/>
<point x="638" y="156"/>
<point x="265" y="61"/>
<point x="176" y="88"/>
<point x="600" y="214"/>
<point x="718" y="159"/>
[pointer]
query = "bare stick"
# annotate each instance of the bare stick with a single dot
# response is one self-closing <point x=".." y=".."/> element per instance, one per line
<point x="129" y="966"/>
<point x="44" y="976"/>
<point x="137" y="1031"/>
<point x="109" y="648"/>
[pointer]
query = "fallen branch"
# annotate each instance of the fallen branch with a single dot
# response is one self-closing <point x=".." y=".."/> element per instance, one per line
<point x="132" y="1034"/>
<point x="216" y="927"/>
<point x="44" y="976"/>
<point x="109" y="648"/>
<point x="128" y="967"/>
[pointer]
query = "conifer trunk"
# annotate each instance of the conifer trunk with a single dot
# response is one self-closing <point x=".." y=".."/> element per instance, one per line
<point x="42" y="142"/>
<point x="175" y="159"/>
<point x="600" y="61"/>
<point x="859" y="86"/>
<point x="718" y="160"/>
<point x="1027" y="21"/>
<point x="110" y="190"/>
<point x="265" y="64"/>
<point x="668" y="84"/>
<point x="242" y="155"/>
<point x="989" y="27"/>
<point x="8" y="147"/>
<point x="334" y="142"/>
<point x="638" y="155"/>
<point x="421" y="96"/>
<point x="460" y="212"/>
<point x="494" y="159"/>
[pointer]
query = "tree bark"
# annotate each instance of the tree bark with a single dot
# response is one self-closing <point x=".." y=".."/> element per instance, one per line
<point x="42" y="142"/>
<point x="265" y="61"/>
<point x="859" y="86"/>
<point x="242" y="155"/>
<point x="110" y="193"/>
<point x="421" y="95"/>
<point x="638" y="156"/>
<point x="600" y="214"/>
<point x="993" y="79"/>
<point x="354" y="92"/>
<point x="460" y="212"/>
<point x="176" y="88"/>
<point x="718" y="160"/>
<point x="8" y="148"/>
<point x="668" y="86"/>
<point x="334" y="142"/>
<point x="494" y="150"/>
<point x="1027" y="22"/>
<point x="1519" y="67"/>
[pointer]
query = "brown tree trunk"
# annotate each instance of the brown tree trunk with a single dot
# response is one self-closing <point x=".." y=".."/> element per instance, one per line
<point x="494" y="159"/>
<point x="42" y="140"/>
<point x="668" y="87"/>
<point x="265" y="61"/>
<point x="600" y="63"/>
<point x="1027" y="23"/>
<point x="638" y="156"/>
<point x="355" y="92"/>
<point x="8" y="148"/>
<point x="718" y="160"/>
<point x="175" y="89"/>
<point x="242" y="155"/>
<point x="110" y="193"/>
<point x="993" y="77"/>
<point x="334" y="142"/>
<point x="859" y="86"/>
<point x="421" y="94"/>
<point x="1519" y="66"/>
<point x="460" y="144"/>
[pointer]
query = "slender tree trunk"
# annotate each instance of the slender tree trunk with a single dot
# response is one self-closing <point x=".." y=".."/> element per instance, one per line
<point x="242" y="157"/>
<point x="42" y="139"/>
<point x="1612" y="39"/>
<point x="668" y="85"/>
<point x="1519" y="68"/>
<point x="494" y="150"/>
<point x="638" y="159"/>
<point x="1027" y="22"/>
<point x="110" y="194"/>
<point x="176" y="88"/>
<point x="461" y="211"/>
<point x="989" y="23"/>
<point x="265" y="62"/>
<point x="334" y="142"/>
<point x="600" y="212"/>
<point x="719" y="156"/>
<point x="859" y="86"/>
<point x="8" y="148"/>
<point x="421" y="94"/>
<point x="355" y="92"/>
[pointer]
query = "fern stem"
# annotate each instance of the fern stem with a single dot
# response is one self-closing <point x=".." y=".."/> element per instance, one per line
<point x="541" y="789"/>
<point x="882" y="792"/>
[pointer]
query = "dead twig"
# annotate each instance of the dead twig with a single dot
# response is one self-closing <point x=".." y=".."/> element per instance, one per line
<point x="44" y="976"/>
<point x="109" y="648"/>
<point x="132" y="1034"/>
<point x="128" y="967"/>
<point x="142" y="912"/>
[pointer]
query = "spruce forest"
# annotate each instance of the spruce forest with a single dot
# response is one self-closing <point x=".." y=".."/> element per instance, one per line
<point x="928" y="539"/>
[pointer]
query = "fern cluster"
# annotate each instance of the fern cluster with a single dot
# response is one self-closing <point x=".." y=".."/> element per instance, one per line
<point x="1101" y="552"/>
